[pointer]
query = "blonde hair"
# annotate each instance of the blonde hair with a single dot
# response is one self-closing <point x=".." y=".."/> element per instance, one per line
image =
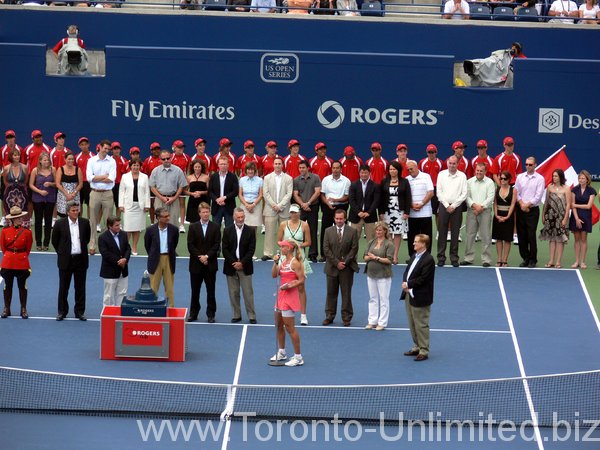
<point x="386" y="228"/>
<point x="42" y="156"/>
<point x="587" y="176"/>
<point x="297" y="251"/>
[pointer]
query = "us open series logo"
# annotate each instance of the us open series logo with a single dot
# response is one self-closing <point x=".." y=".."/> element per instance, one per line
<point x="279" y="68"/>
<point x="550" y="120"/>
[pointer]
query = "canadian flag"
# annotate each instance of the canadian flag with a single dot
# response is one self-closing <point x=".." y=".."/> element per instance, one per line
<point x="560" y="160"/>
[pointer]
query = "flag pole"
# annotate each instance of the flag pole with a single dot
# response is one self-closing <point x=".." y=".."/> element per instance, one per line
<point x="551" y="156"/>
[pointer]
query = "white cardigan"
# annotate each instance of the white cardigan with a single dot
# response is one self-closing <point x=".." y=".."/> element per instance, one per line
<point x="126" y="191"/>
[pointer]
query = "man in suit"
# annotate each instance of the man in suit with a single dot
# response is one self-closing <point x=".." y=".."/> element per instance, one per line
<point x="239" y="243"/>
<point x="116" y="251"/>
<point x="223" y="189"/>
<point x="278" y="188"/>
<point x="70" y="238"/>
<point x="204" y="242"/>
<point x="161" y="241"/>
<point x="340" y="246"/>
<point x="364" y="199"/>
<point x="417" y="285"/>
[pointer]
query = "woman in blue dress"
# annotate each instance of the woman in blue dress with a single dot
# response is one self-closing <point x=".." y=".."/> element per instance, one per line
<point x="580" y="222"/>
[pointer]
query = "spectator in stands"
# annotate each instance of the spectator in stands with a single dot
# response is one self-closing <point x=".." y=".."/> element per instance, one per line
<point x="483" y="157"/>
<point x="189" y="4"/>
<point x="347" y="8"/>
<point x="149" y="164"/>
<point x="419" y="219"/>
<point x="167" y="183"/>
<point x="480" y="200"/>
<point x="299" y="6"/>
<point x="290" y="162"/>
<point x="15" y="176"/>
<point x="81" y="160"/>
<point x="580" y="223"/>
<point x="200" y="145"/>
<point x="69" y="182"/>
<point x="43" y="195"/>
<point x="249" y="156"/>
<point x="530" y="190"/>
<point x="181" y="160"/>
<point x="503" y="224"/>
<point x="565" y="10"/>
<point x="335" y="193"/>
<point x="197" y="190"/>
<point x="263" y="6"/>
<point x="364" y="199"/>
<point x="589" y="12"/>
<point x="225" y="151"/>
<point x="323" y="7"/>
<point x="70" y="52"/>
<point x="377" y="164"/>
<point x="516" y="47"/>
<point x="251" y="196"/>
<point x="278" y="188"/>
<point x="351" y="164"/>
<point x="122" y="168"/>
<point x="238" y="5"/>
<point x="456" y="10"/>
<point x="134" y="202"/>
<point x="307" y="194"/>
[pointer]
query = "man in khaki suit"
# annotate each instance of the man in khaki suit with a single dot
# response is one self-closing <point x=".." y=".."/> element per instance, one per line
<point x="277" y="192"/>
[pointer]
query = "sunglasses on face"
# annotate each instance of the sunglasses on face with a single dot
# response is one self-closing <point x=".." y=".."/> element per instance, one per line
<point x="503" y="178"/>
<point x="528" y="165"/>
<point x="165" y="159"/>
<point x="481" y="147"/>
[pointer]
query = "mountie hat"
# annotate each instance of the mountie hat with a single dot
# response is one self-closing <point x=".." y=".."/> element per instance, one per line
<point x="15" y="212"/>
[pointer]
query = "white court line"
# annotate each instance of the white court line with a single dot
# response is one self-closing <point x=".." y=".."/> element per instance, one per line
<point x="589" y="300"/>
<point x="231" y="394"/>
<point x="538" y="436"/>
<point x="266" y="325"/>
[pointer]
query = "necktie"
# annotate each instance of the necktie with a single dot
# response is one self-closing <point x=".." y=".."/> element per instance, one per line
<point x="339" y="235"/>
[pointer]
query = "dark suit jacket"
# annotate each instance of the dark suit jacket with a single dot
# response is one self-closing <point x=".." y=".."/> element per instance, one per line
<point x="111" y="254"/>
<point x="231" y="191"/>
<point x="152" y="245"/>
<point x="370" y="201"/>
<point x="61" y="240"/>
<point x="421" y="280"/>
<point x="335" y="251"/>
<point x="209" y="245"/>
<point x="404" y="195"/>
<point x="247" y="247"/>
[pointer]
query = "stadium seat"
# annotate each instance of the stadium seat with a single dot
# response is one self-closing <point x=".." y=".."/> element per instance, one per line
<point x="503" y="13"/>
<point x="215" y="5"/>
<point x="481" y="12"/>
<point x="528" y="15"/>
<point x="371" y="8"/>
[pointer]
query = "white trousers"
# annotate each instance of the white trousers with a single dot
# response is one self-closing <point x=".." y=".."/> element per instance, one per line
<point x="114" y="290"/>
<point x="379" y="300"/>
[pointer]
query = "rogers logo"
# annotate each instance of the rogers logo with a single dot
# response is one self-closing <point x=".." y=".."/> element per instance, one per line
<point x="145" y="333"/>
<point x="335" y="121"/>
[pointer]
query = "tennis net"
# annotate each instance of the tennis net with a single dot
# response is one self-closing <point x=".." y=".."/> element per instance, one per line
<point x="566" y="397"/>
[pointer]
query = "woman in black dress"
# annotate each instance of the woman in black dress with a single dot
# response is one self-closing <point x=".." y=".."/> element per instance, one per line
<point x="197" y="190"/>
<point x="504" y="218"/>
<point x="580" y="222"/>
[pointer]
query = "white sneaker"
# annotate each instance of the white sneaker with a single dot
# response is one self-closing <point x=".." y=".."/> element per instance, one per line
<point x="279" y="356"/>
<point x="477" y="238"/>
<point x="98" y="228"/>
<point x="54" y="221"/>
<point x="303" y="319"/>
<point x="181" y="229"/>
<point x="2" y="222"/>
<point x="493" y="241"/>
<point x="404" y="236"/>
<point x="295" y="361"/>
<point x="449" y="236"/>
<point x="459" y="238"/>
<point x="515" y="239"/>
<point x="262" y="229"/>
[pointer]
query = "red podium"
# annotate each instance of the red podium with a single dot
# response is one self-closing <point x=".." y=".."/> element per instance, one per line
<point x="146" y="338"/>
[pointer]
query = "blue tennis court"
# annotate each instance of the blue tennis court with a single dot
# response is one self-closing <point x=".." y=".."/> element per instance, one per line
<point x="504" y="325"/>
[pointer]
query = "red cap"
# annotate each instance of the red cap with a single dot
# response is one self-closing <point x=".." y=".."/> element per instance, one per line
<point x="10" y="133"/>
<point x="199" y="141"/>
<point x="82" y="139"/>
<point x="482" y="143"/>
<point x="319" y="145"/>
<point x="285" y="244"/>
<point x="458" y="144"/>
<point x="59" y="134"/>
<point x="134" y="149"/>
<point x="508" y="140"/>
<point x="225" y="142"/>
<point x="115" y="144"/>
<point x="293" y="142"/>
<point x="432" y="148"/>
<point x="248" y="143"/>
<point x="154" y="145"/>
<point x="271" y="144"/>
<point x="401" y="146"/>
<point x="349" y="151"/>
<point x="178" y="143"/>
<point x="376" y="145"/>
<point x="36" y="133"/>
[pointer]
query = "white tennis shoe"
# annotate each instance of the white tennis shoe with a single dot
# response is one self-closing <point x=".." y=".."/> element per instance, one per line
<point x="279" y="356"/>
<point x="295" y="361"/>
